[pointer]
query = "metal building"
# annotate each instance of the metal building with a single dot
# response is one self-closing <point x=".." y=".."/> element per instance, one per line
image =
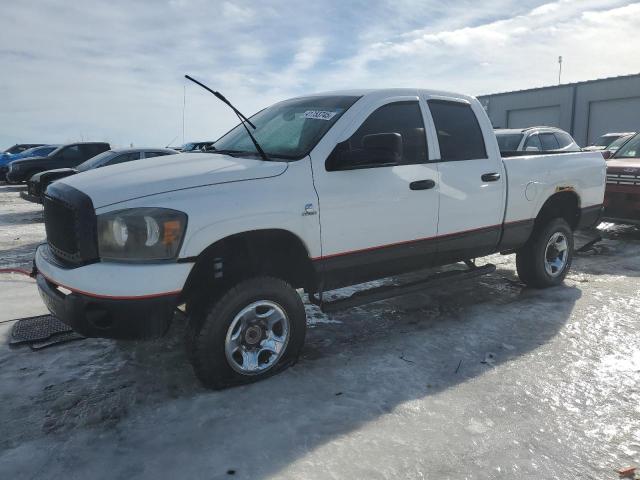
<point x="584" y="109"/>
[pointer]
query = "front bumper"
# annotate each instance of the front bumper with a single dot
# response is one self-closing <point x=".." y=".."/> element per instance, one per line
<point x="15" y="177"/>
<point x="29" y="197"/>
<point x="129" y="319"/>
<point x="109" y="300"/>
<point x="3" y="172"/>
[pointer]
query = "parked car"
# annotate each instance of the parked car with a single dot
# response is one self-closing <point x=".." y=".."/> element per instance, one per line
<point x="604" y="141"/>
<point x="38" y="183"/>
<point x="195" y="146"/>
<point x="41" y="151"/>
<point x="615" y="145"/>
<point x="622" y="195"/>
<point x="69" y="155"/>
<point x="535" y="139"/>
<point x="327" y="191"/>
<point x="20" y="147"/>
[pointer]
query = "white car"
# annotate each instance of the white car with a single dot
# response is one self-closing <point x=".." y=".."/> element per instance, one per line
<point x="353" y="186"/>
<point x="604" y="141"/>
<point x="535" y="139"/>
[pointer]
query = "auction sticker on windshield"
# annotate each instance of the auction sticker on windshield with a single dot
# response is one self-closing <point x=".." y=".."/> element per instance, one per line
<point x="319" y="114"/>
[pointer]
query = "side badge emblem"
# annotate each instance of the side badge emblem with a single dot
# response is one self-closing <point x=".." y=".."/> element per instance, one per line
<point x="309" y="210"/>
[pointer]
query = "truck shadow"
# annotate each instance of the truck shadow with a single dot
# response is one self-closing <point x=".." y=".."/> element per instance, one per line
<point x="357" y="366"/>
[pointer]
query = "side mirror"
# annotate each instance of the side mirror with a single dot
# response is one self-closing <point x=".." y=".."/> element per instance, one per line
<point x="531" y="149"/>
<point x="378" y="149"/>
<point x="607" y="154"/>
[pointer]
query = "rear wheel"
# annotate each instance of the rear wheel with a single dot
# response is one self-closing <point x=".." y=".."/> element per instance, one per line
<point x="254" y="330"/>
<point x="545" y="259"/>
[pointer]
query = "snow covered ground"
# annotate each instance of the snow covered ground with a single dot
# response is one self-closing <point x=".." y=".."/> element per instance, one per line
<point x="485" y="379"/>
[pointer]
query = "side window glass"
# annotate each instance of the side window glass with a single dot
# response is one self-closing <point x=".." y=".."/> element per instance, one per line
<point x="459" y="133"/>
<point x="563" y="139"/>
<point x="533" y="143"/>
<point x="72" y="153"/>
<point x="154" y="154"/>
<point x="394" y="134"/>
<point x="549" y="141"/>
<point x="125" y="157"/>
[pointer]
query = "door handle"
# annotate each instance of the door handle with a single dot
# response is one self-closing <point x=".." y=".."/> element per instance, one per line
<point x="490" y="177"/>
<point x="422" y="185"/>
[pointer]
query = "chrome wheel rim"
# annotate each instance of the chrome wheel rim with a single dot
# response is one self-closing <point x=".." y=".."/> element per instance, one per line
<point x="257" y="337"/>
<point x="556" y="254"/>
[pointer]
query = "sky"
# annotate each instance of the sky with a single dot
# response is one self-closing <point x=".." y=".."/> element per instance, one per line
<point x="114" y="70"/>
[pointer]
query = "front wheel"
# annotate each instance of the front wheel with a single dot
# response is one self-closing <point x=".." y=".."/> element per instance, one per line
<point x="254" y="330"/>
<point x="546" y="258"/>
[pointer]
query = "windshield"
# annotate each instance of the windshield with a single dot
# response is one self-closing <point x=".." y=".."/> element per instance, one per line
<point x="631" y="149"/>
<point x="96" y="161"/>
<point x="37" y="152"/>
<point x="288" y="129"/>
<point x="604" y="141"/>
<point x="187" y="147"/>
<point x="508" y="142"/>
<point x="615" y="145"/>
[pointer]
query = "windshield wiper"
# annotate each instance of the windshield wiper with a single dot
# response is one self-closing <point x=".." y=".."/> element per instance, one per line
<point x="242" y="118"/>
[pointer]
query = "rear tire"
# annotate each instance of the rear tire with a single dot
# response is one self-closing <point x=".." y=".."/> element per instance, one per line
<point x="254" y="330"/>
<point x="546" y="258"/>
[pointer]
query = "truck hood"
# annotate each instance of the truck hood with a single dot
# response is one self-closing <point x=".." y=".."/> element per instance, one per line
<point x="151" y="176"/>
<point x="49" y="173"/>
<point x="27" y="161"/>
<point x="629" y="166"/>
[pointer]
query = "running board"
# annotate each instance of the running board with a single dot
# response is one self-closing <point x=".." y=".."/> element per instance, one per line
<point x="378" y="294"/>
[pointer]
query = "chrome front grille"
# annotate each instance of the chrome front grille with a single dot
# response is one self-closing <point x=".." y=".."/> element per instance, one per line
<point x="623" y="179"/>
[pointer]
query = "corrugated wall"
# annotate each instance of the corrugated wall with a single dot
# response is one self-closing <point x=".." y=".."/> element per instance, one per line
<point x="585" y="109"/>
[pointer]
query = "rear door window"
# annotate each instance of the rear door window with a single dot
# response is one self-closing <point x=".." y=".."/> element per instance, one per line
<point x="549" y="141"/>
<point x="459" y="133"/>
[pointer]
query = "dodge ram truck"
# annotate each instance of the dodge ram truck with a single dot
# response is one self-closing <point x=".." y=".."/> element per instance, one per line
<point x="309" y="195"/>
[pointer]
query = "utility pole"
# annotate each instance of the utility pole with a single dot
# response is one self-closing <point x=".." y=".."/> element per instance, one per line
<point x="560" y="69"/>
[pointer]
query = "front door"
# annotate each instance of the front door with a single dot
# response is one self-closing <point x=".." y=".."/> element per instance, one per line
<point x="378" y="213"/>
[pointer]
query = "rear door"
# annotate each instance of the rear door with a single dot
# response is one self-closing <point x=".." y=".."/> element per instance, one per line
<point x="378" y="218"/>
<point x="471" y="181"/>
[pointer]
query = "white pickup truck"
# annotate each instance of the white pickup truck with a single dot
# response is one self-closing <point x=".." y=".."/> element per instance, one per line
<point x="346" y="187"/>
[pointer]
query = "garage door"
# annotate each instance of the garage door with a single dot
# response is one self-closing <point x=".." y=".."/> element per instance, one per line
<point x="620" y="115"/>
<point x="534" y="117"/>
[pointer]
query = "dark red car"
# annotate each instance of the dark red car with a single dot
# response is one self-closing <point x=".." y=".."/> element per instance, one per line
<point x="622" y="194"/>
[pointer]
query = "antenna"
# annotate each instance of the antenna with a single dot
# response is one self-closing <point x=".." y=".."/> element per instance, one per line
<point x="560" y="69"/>
<point x="184" y="104"/>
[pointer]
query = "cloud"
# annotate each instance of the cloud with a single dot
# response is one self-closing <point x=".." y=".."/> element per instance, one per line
<point x="114" y="71"/>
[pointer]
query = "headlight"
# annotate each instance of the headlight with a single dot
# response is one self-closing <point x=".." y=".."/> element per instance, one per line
<point x="141" y="234"/>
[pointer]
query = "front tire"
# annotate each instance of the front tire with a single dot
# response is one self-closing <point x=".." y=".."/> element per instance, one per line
<point x="254" y="330"/>
<point x="546" y="258"/>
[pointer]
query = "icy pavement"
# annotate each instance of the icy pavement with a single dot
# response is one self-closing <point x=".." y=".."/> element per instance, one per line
<point x="485" y="379"/>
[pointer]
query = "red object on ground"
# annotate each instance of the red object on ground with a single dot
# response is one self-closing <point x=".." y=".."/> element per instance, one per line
<point x="627" y="472"/>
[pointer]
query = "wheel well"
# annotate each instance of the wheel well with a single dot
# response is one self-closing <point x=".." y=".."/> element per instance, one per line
<point x="273" y="252"/>
<point x="560" y="205"/>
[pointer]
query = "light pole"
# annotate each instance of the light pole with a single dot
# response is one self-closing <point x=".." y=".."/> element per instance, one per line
<point x="560" y="69"/>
